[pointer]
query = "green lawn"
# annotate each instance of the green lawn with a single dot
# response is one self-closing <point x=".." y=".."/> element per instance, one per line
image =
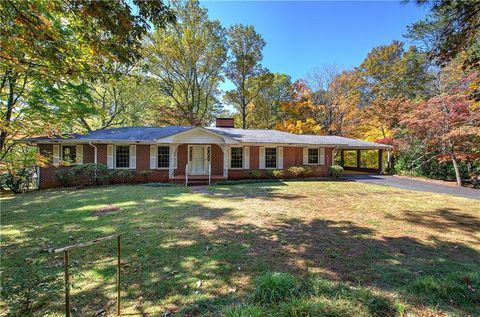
<point x="198" y="252"/>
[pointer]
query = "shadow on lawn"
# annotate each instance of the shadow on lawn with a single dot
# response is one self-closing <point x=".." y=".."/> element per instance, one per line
<point x="167" y="256"/>
<point x="264" y="190"/>
<point x="439" y="273"/>
<point x="443" y="219"/>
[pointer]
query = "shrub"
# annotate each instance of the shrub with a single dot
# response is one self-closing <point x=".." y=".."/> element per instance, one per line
<point x="145" y="173"/>
<point x="277" y="173"/>
<point x="268" y="174"/>
<point x="89" y="174"/>
<point x="121" y="176"/>
<point x="244" y="311"/>
<point x="274" y="287"/>
<point x="18" y="181"/>
<point x="475" y="181"/>
<point x="295" y="171"/>
<point x="254" y="174"/>
<point x="65" y="177"/>
<point x="335" y="171"/>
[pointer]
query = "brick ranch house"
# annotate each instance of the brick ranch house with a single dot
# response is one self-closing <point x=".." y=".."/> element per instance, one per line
<point x="177" y="153"/>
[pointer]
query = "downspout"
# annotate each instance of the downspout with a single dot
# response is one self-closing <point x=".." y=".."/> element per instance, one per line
<point x="95" y="152"/>
<point x="94" y="157"/>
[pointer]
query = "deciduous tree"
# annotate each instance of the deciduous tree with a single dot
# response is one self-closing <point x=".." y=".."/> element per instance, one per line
<point x="448" y="125"/>
<point x="187" y="59"/>
<point x="244" y="64"/>
<point x="266" y="109"/>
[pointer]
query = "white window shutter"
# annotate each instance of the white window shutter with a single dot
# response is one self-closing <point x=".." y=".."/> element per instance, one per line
<point x="110" y="155"/>
<point x="246" y="157"/>
<point x="305" y="156"/>
<point x="261" y="158"/>
<point x="133" y="157"/>
<point x="280" y="157"/>
<point x="321" y="153"/>
<point x="153" y="156"/>
<point x="229" y="157"/>
<point x="175" y="156"/>
<point x="56" y="155"/>
<point x="79" y="154"/>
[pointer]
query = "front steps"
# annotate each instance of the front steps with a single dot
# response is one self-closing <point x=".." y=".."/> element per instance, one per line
<point x="196" y="180"/>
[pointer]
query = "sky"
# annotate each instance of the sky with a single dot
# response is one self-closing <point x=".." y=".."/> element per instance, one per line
<point x="302" y="35"/>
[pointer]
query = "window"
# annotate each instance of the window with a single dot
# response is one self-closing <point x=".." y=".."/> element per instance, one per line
<point x="236" y="159"/>
<point x="69" y="153"/>
<point x="163" y="156"/>
<point x="271" y="158"/>
<point x="312" y="156"/>
<point x="122" y="156"/>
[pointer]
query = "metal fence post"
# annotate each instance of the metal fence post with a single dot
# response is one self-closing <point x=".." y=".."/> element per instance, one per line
<point x="118" y="274"/>
<point x="67" y="284"/>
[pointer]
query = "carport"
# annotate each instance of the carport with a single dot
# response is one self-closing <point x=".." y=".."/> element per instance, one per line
<point x="362" y="156"/>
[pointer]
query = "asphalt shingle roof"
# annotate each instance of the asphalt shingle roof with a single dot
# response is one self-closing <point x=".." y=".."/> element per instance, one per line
<point x="151" y="134"/>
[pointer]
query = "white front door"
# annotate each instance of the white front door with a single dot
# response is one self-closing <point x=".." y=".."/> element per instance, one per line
<point x="198" y="159"/>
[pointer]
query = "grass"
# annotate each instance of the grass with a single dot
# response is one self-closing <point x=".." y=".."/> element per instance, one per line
<point x="347" y="248"/>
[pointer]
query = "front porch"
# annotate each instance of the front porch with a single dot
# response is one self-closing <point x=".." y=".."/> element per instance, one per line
<point x="197" y="163"/>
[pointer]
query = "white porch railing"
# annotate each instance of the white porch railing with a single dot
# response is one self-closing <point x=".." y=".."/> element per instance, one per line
<point x="186" y="175"/>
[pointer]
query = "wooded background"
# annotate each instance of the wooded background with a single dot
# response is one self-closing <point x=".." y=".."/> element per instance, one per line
<point x="74" y="66"/>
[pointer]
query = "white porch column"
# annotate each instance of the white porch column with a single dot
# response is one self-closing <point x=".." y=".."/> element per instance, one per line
<point x="173" y="160"/>
<point x="225" y="160"/>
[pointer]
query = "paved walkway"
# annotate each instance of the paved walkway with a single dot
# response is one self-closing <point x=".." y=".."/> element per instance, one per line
<point x="413" y="184"/>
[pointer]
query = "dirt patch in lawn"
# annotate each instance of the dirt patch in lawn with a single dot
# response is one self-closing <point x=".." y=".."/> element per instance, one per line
<point x="105" y="210"/>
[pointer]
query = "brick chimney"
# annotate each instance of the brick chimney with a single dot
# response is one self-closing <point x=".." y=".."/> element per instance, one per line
<point x="225" y="123"/>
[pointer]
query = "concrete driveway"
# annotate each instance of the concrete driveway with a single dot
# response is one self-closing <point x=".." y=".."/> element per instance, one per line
<point x="413" y="184"/>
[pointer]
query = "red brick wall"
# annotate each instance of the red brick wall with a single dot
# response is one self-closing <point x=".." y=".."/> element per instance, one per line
<point x="217" y="160"/>
<point x="143" y="164"/>
<point x="254" y="164"/>
<point x="47" y="174"/>
<point x="182" y="159"/>
<point x="292" y="156"/>
<point x="225" y="122"/>
<point x="102" y="154"/>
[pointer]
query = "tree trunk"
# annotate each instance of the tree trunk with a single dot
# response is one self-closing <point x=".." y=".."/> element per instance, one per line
<point x="9" y="111"/>
<point x="457" y="171"/>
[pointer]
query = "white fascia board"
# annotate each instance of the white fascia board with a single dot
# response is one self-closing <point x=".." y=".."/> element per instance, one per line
<point x="174" y="138"/>
<point x="288" y="144"/>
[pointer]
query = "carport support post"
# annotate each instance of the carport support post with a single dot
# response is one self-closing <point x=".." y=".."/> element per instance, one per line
<point x="358" y="158"/>
<point x="342" y="159"/>
<point x="380" y="161"/>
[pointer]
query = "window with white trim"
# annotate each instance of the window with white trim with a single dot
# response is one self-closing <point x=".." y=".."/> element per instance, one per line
<point x="163" y="157"/>
<point x="236" y="158"/>
<point x="69" y="153"/>
<point x="313" y="156"/>
<point x="271" y="157"/>
<point x="122" y="156"/>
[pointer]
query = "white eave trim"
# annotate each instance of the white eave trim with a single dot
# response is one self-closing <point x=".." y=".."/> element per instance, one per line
<point x="171" y="138"/>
